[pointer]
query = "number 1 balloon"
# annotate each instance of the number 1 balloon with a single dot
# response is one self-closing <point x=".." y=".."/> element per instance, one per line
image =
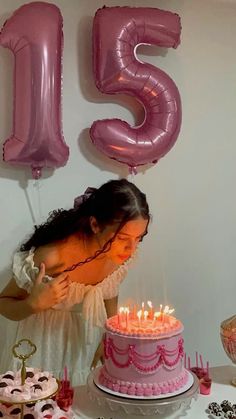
<point x="117" y="31"/>
<point x="34" y="34"/>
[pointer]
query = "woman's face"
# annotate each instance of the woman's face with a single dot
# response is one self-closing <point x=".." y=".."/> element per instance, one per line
<point x="126" y="240"/>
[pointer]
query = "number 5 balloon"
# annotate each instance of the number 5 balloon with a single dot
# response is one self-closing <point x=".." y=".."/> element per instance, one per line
<point x="117" y="31"/>
<point x="34" y="34"/>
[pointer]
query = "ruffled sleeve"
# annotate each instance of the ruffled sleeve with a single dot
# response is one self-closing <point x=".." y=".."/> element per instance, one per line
<point x="110" y="285"/>
<point x="24" y="270"/>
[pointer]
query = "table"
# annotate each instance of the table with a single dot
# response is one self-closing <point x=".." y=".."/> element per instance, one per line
<point x="221" y="389"/>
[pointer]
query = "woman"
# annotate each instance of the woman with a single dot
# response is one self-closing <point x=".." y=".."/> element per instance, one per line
<point x="66" y="278"/>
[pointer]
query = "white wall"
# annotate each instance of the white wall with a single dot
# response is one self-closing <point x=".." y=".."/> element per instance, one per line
<point x="188" y="258"/>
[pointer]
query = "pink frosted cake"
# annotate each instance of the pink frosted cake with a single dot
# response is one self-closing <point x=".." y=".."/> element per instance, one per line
<point x="143" y="358"/>
<point x="38" y="384"/>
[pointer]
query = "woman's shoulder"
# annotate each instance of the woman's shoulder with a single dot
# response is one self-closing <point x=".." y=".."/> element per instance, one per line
<point x="50" y="255"/>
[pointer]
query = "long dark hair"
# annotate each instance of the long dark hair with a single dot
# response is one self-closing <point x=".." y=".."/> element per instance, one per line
<point x="115" y="202"/>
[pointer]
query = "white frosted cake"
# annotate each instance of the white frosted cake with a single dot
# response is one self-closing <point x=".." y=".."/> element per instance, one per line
<point x="143" y="358"/>
<point x="38" y="384"/>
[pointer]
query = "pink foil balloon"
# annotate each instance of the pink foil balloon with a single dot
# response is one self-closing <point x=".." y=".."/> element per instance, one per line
<point x="117" y="31"/>
<point x="34" y="34"/>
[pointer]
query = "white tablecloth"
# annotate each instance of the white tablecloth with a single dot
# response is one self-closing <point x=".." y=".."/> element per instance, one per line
<point x="221" y="389"/>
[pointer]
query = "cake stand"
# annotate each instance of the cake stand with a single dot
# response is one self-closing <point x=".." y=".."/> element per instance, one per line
<point x="145" y="407"/>
<point x="23" y="350"/>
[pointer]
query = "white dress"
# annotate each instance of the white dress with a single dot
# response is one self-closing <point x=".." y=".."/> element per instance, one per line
<point x="69" y="333"/>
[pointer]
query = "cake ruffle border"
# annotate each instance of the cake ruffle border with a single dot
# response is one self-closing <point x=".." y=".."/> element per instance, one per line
<point x="142" y="389"/>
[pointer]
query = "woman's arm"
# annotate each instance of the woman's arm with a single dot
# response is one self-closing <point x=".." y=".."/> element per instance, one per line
<point x="111" y="306"/>
<point x="111" y="309"/>
<point x="16" y="304"/>
<point x="13" y="302"/>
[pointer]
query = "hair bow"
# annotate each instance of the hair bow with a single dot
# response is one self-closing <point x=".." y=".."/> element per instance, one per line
<point x="82" y="198"/>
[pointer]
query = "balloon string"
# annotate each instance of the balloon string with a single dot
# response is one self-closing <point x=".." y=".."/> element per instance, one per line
<point x="37" y="185"/>
<point x="132" y="177"/>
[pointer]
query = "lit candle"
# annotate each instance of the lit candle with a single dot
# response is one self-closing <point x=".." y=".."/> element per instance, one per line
<point x="126" y="311"/>
<point x="165" y="311"/>
<point x="161" y="312"/>
<point x="142" y="308"/>
<point x="149" y="303"/>
<point x="121" y="311"/>
<point x="139" y="315"/>
<point x="145" y="315"/>
<point x="156" y="315"/>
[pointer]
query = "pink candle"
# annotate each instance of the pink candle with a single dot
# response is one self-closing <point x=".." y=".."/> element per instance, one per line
<point x="65" y="374"/>
<point x="151" y="309"/>
<point x="120" y="316"/>
<point x="118" y="319"/>
<point x="142" y="309"/>
<point x="139" y="315"/>
<point x="156" y="317"/>
<point x="161" y="313"/>
<point x="126" y="317"/>
<point x="201" y="362"/>
<point x="189" y="363"/>
<point x="145" y="315"/>
<point x="207" y="367"/>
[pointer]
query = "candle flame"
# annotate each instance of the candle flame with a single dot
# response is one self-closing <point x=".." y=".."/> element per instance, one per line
<point x="149" y="303"/>
<point x="139" y="314"/>
<point x="167" y="310"/>
<point x="145" y="314"/>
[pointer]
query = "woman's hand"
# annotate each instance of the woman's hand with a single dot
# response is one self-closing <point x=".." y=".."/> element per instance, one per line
<point x="99" y="356"/>
<point x="45" y="295"/>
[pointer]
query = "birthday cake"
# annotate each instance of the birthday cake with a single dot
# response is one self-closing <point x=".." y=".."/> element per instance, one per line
<point x="38" y="384"/>
<point x="143" y="357"/>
